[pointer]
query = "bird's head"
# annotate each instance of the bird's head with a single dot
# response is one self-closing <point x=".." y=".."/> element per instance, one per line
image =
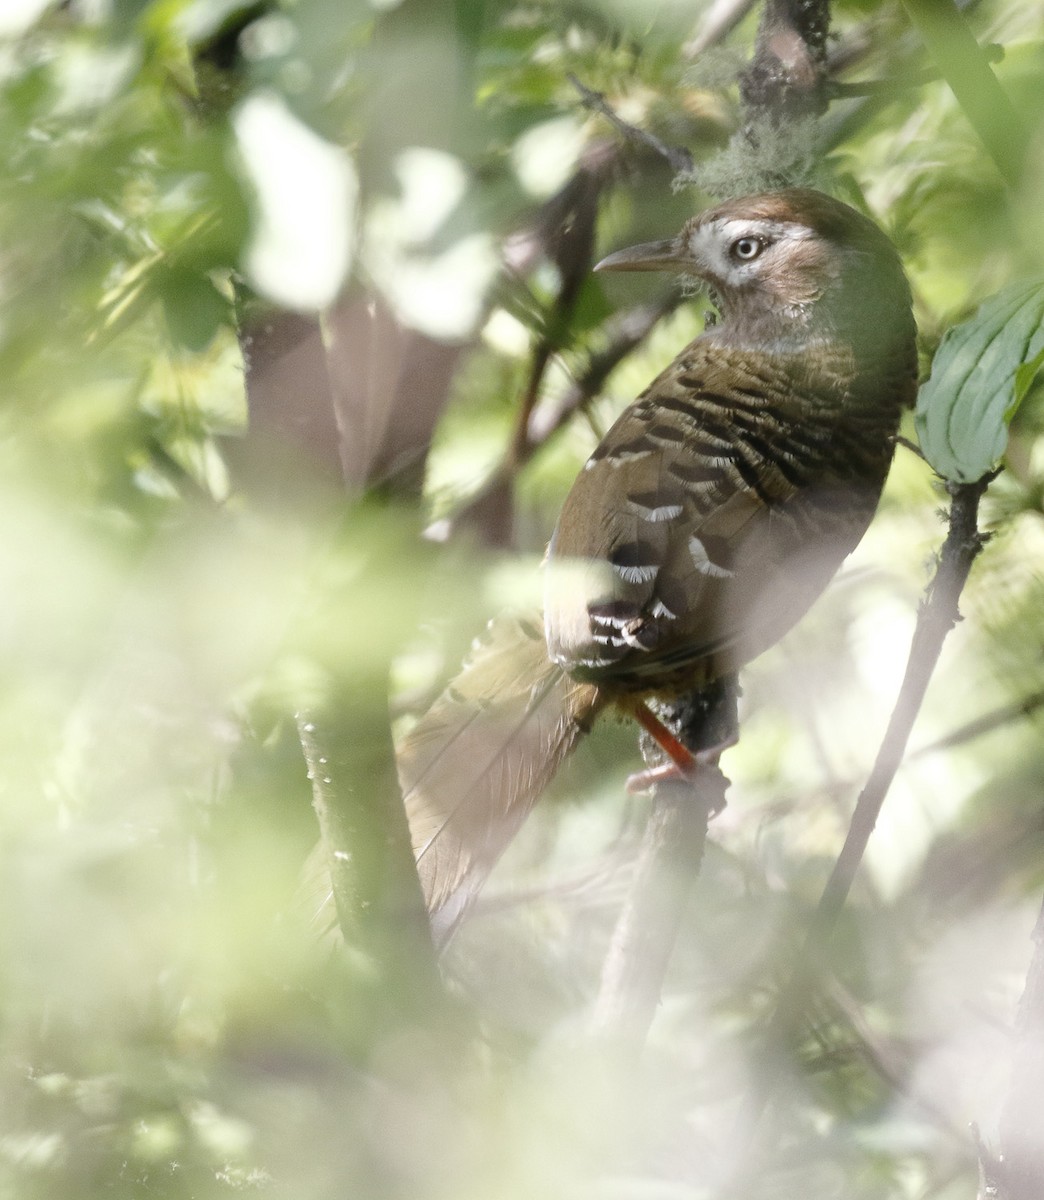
<point x="788" y="266"/>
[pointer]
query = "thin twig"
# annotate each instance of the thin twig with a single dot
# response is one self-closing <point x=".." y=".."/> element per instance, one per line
<point x="626" y="331"/>
<point x="519" y="435"/>
<point x="570" y="237"/>
<point x="679" y="159"/>
<point x="911" y="446"/>
<point x="834" y="789"/>
<point x="939" y="613"/>
<point x="565" y="232"/>
<point x="893" y="1063"/>
<point x="937" y="617"/>
<point x="716" y="25"/>
<point x="987" y="723"/>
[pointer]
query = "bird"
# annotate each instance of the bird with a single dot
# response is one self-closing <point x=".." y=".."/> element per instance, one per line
<point x="706" y="521"/>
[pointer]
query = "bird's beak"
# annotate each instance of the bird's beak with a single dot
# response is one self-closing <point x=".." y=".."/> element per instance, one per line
<point x="669" y="255"/>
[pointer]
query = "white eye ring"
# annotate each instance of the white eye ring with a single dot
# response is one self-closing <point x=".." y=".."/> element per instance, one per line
<point x="746" y="249"/>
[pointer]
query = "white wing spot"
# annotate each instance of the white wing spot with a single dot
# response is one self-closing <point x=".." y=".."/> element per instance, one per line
<point x="661" y="512"/>
<point x="618" y="458"/>
<point x="660" y="611"/>
<point x="702" y="562"/>
<point x="642" y="574"/>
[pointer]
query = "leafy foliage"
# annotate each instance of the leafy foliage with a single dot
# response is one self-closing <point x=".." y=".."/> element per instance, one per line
<point x="980" y="375"/>
<point x="174" y="589"/>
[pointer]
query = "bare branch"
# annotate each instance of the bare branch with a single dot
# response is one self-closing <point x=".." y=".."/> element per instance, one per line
<point x="678" y="158"/>
<point x="647" y="928"/>
<point x="723" y="17"/>
<point x="939" y="613"/>
<point x="626" y="331"/>
<point x="565" y="233"/>
<point x="668" y="864"/>
<point x="787" y="76"/>
<point x="291" y="442"/>
<point x="390" y="385"/>
<point x="989" y="1169"/>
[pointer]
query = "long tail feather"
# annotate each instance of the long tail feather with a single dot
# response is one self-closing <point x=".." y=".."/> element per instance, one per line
<point x="477" y="761"/>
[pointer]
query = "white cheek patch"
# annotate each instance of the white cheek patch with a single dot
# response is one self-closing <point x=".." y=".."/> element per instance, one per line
<point x="706" y="246"/>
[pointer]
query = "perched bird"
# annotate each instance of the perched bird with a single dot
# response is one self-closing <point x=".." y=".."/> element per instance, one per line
<point x="707" y="520"/>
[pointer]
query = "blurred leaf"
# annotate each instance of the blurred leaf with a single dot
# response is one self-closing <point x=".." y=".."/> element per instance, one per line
<point x="173" y="1023"/>
<point x="980" y="375"/>
<point x="470" y="20"/>
<point x="592" y="307"/>
<point x="1024" y="378"/>
<point x="194" y="309"/>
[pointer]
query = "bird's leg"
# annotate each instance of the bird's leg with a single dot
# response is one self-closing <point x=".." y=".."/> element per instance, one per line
<point x="706" y="719"/>
<point x="680" y="759"/>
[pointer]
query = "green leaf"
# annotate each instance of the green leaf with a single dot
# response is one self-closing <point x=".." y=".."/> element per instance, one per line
<point x="1024" y="378"/>
<point x="194" y="309"/>
<point x="981" y="373"/>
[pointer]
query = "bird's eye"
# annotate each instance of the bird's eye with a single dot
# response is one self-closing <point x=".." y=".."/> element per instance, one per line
<point x="746" y="249"/>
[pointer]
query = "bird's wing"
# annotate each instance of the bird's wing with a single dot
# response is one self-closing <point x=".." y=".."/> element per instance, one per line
<point x="705" y="523"/>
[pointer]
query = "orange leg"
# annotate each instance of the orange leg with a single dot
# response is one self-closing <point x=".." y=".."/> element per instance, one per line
<point x="681" y="756"/>
<point x="683" y="763"/>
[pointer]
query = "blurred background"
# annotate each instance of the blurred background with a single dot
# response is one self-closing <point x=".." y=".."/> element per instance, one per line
<point x="370" y="224"/>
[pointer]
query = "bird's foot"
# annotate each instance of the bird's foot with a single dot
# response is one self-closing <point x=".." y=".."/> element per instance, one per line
<point x="682" y="763"/>
<point x="644" y="781"/>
